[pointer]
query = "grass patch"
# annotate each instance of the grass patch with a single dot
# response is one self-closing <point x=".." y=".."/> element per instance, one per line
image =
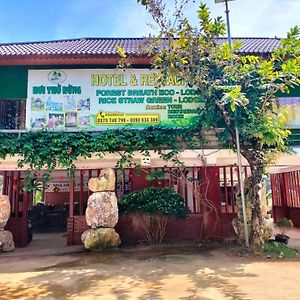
<point x="279" y="249"/>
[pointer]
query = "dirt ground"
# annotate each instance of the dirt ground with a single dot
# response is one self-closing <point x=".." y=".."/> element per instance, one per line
<point x="49" y="270"/>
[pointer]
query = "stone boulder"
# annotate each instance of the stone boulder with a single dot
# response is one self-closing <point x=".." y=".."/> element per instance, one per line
<point x="238" y="226"/>
<point x="102" y="210"/>
<point x="101" y="238"/>
<point x="98" y="185"/>
<point x="4" y="210"/>
<point x="6" y="241"/>
<point x="110" y="177"/>
<point x="105" y="182"/>
<point x="267" y="229"/>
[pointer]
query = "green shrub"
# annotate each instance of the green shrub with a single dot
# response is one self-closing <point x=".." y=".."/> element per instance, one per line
<point x="153" y="200"/>
<point x="284" y="224"/>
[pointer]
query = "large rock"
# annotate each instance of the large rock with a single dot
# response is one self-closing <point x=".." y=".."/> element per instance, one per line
<point x="102" y="210"/>
<point x="267" y="229"/>
<point x="4" y="210"/>
<point x="110" y="176"/>
<point x="101" y="238"/>
<point x="105" y="182"/>
<point x="238" y="226"/>
<point x="98" y="184"/>
<point x="6" y="241"/>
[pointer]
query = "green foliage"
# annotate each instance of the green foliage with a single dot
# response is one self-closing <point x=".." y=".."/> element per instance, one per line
<point x="48" y="149"/>
<point x="31" y="183"/>
<point x="121" y="51"/>
<point x="279" y="249"/>
<point x="239" y="90"/>
<point x="37" y="197"/>
<point x="284" y="224"/>
<point x="153" y="200"/>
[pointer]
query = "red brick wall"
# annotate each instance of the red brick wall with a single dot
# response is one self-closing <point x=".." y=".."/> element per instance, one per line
<point x="190" y="228"/>
<point x="76" y="226"/>
<point x="128" y="228"/>
<point x="18" y="228"/>
<point x="292" y="213"/>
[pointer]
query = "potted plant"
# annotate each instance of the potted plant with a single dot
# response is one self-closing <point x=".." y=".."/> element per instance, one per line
<point x="283" y="224"/>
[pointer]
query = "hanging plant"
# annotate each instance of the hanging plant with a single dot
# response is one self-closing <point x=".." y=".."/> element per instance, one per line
<point x="47" y="150"/>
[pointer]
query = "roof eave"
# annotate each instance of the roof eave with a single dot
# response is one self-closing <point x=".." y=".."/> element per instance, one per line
<point x="71" y="59"/>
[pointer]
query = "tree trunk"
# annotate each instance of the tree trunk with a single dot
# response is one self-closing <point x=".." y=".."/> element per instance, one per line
<point x="255" y="183"/>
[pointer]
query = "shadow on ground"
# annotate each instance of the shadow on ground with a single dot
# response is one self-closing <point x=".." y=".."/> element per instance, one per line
<point x="173" y="272"/>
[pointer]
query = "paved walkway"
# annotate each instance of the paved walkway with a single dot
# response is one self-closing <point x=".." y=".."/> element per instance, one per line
<point x="44" y="244"/>
<point x="48" y="269"/>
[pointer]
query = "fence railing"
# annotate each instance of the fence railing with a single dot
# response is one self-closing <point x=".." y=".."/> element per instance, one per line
<point x="191" y="183"/>
<point x="286" y="189"/>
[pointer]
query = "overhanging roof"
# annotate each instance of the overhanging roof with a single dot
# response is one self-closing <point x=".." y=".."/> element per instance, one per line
<point x="101" y="50"/>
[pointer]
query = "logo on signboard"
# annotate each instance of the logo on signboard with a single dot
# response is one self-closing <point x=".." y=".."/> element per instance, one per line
<point x="57" y="76"/>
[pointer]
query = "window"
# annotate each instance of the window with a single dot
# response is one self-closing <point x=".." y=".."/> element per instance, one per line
<point x="12" y="114"/>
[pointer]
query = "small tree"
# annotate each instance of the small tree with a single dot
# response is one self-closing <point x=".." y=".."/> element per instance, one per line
<point x="239" y="90"/>
<point x="153" y="206"/>
<point x="283" y="224"/>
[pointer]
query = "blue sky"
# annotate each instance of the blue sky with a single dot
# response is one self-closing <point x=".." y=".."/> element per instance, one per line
<point x="33" y="20"/>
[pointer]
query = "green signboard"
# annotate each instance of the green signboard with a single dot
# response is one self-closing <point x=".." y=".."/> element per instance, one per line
<point x="98" y="99"/>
